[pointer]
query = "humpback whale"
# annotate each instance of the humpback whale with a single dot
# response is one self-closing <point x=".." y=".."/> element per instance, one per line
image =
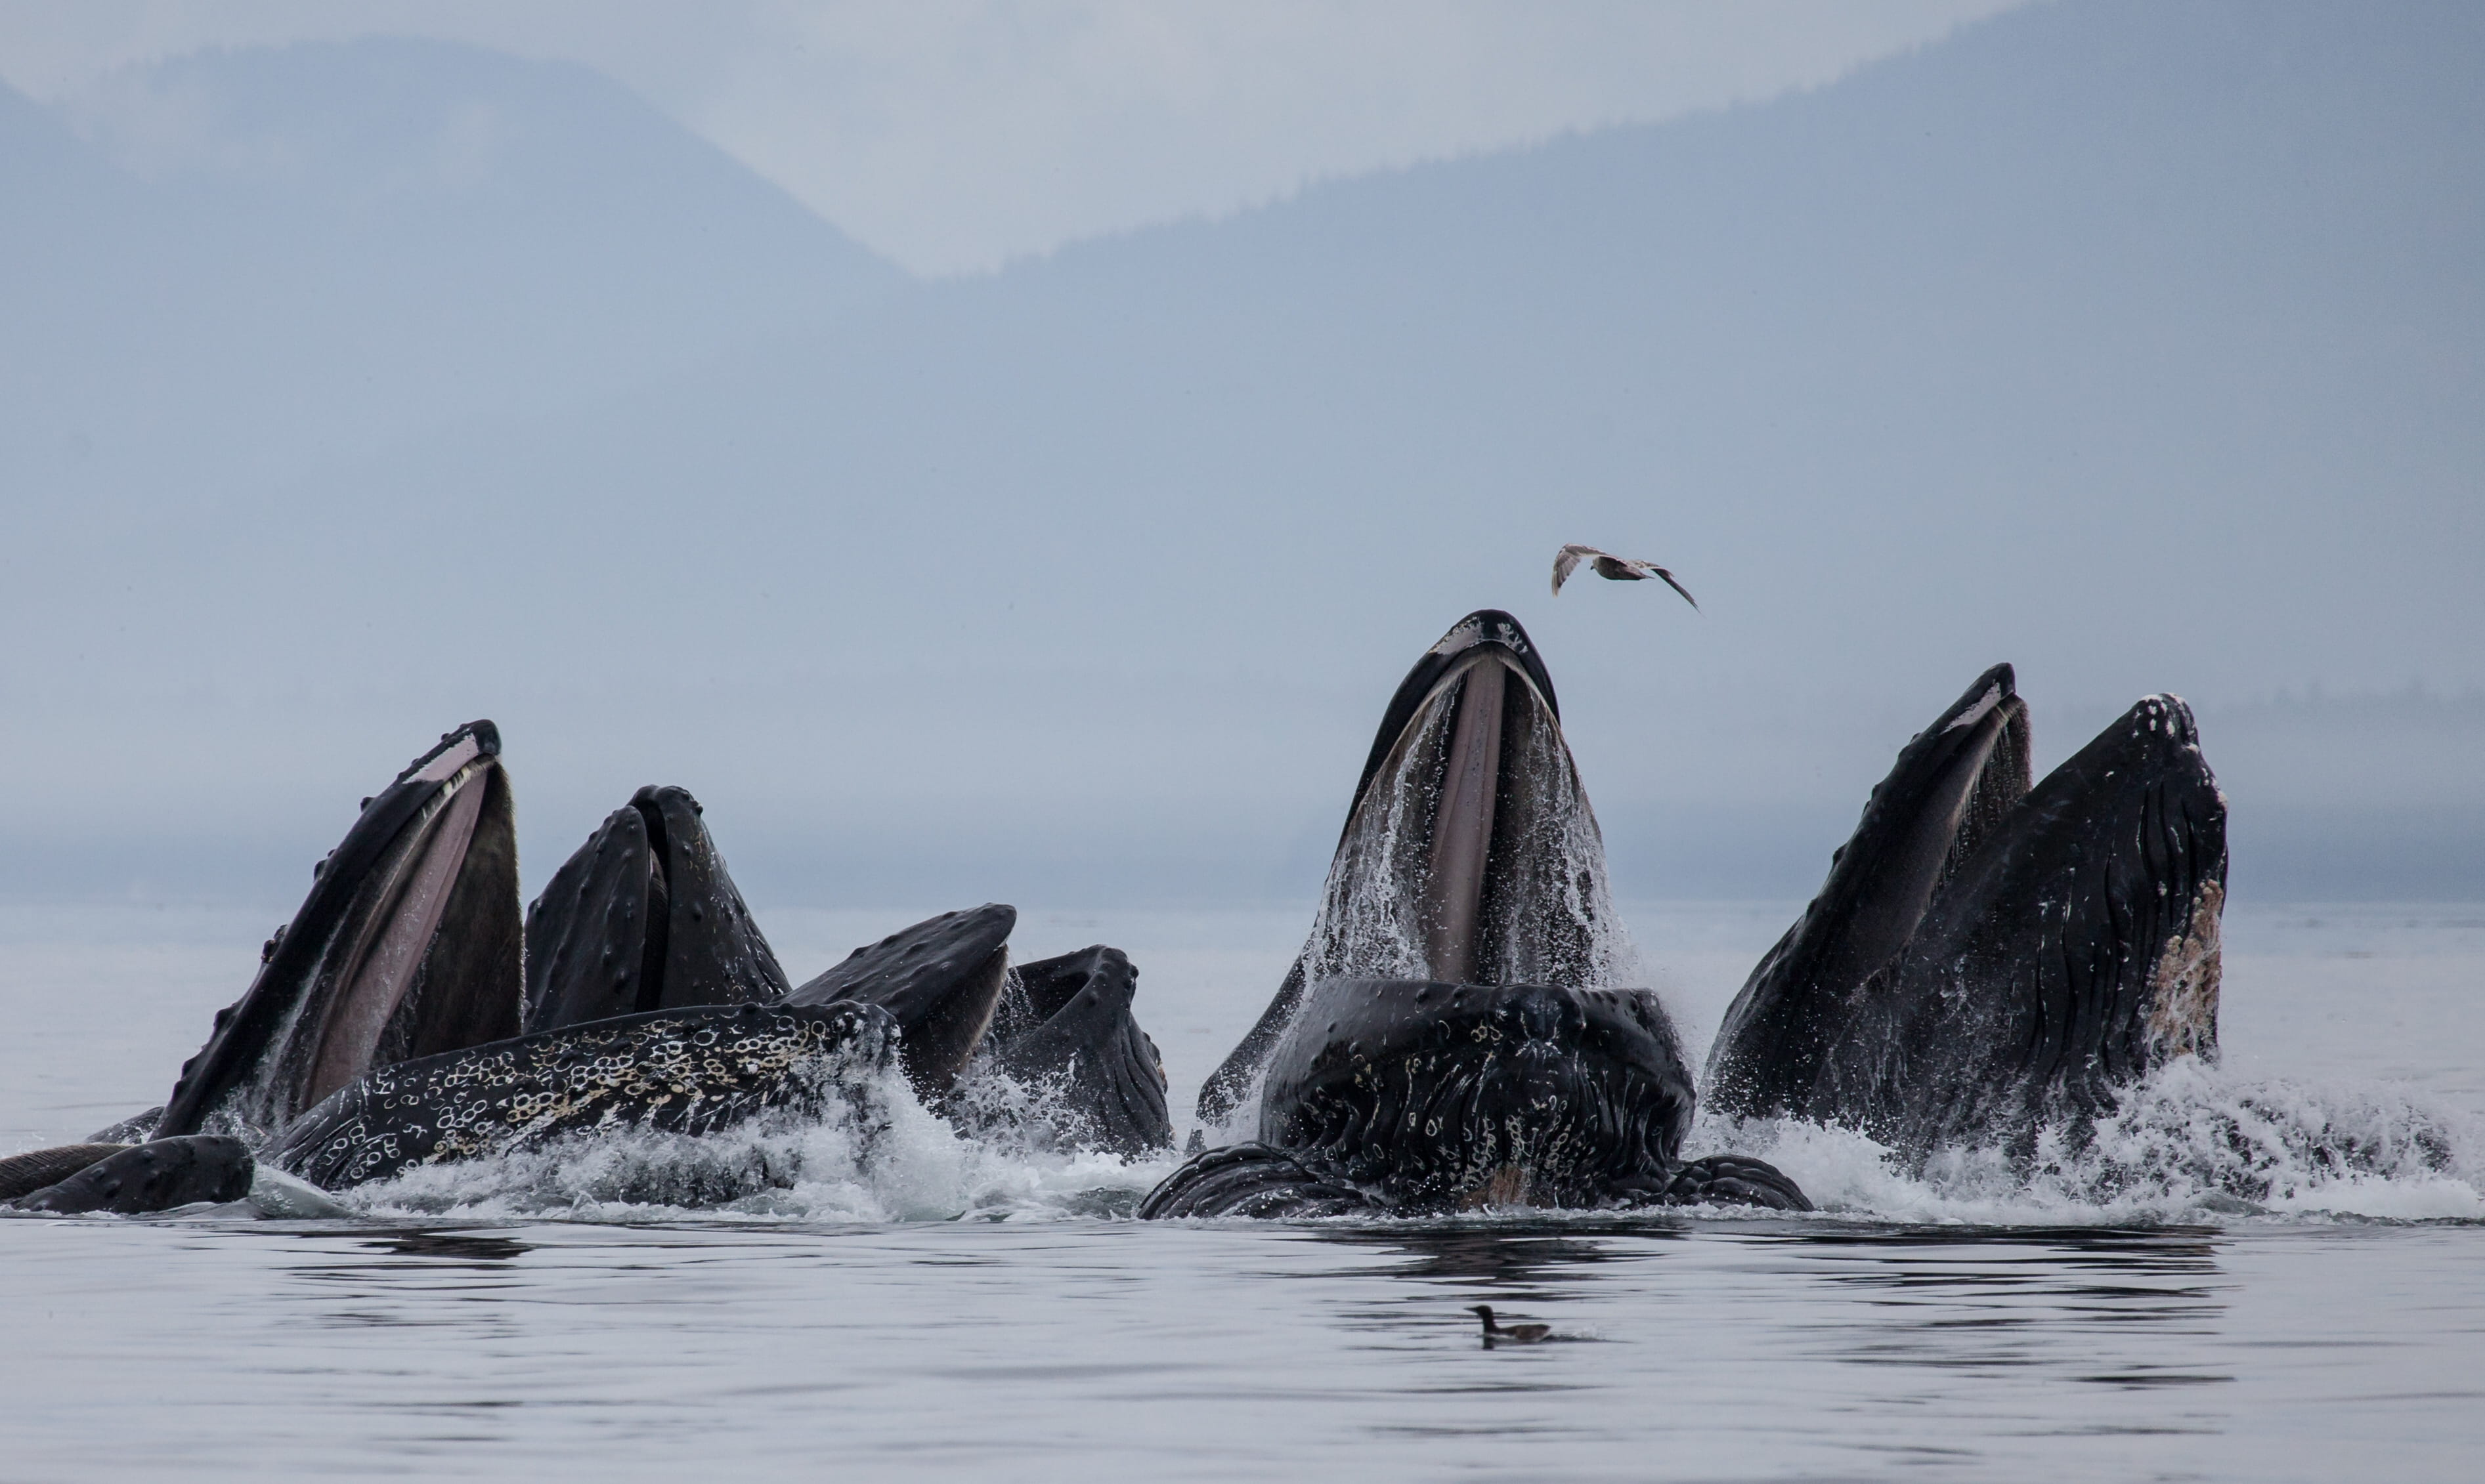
<point x="406" y="946"/>
<point x="1468" y="852"/>
<point x="408" y="1014"/>
<point x="1987" y="957"/>
<point x="1065" y="1025"/>
<point x="1455" y="1033"/>
<point x="1061" y="1024"/>
<point x="689" y="1072"/>
<point x="153" y="1176"/>
<point x="643" y="917"/>
<point x="942" y="977"/>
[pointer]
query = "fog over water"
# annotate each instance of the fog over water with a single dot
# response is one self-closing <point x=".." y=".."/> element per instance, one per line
<point x="353" y="390"/>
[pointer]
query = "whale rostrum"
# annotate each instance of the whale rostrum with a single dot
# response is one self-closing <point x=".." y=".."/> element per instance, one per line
<point x="643" y="917"/>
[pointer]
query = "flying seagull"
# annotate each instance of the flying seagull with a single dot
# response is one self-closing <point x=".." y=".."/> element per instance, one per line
<point x="1621" y="569"/>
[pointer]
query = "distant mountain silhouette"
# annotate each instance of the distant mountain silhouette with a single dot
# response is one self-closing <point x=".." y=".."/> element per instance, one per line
<point x="2135" y="343"/>
<point x="255" y="261"/>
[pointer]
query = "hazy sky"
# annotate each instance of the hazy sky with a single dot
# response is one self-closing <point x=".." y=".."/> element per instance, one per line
<point x="2134" y="344"/>
<point x="954" y="134"/>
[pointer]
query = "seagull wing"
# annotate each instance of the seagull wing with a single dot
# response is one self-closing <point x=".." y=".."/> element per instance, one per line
<point x="1621" y="569"/>
<point x="1566" y="561"/>
<point x="1676" y="586"/>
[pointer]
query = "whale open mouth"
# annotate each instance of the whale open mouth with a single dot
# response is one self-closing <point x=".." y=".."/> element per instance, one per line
<point x="406" y="946"/>
<point x="1457" y="1032"/>
<point x="1987" y="956"/>
<point x="1470" y="851"/>
<point x="1468" y="786"/>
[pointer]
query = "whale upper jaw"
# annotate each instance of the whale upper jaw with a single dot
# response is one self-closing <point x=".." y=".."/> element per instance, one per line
<point x="940" y="980"/>
<point x="1949" y="787"/>
<point x="644" y="917"/>
<point x="407" y="945"/>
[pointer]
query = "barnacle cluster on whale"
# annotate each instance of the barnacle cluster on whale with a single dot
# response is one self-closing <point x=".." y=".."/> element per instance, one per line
<point x="1463" y="1028"/>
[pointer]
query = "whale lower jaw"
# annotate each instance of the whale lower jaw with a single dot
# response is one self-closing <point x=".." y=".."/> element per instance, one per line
<point x="1442" y="1096"/>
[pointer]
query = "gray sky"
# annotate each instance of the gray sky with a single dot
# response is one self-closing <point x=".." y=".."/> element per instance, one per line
<point x="951" y="135"/>
<point x="352" y="389"/>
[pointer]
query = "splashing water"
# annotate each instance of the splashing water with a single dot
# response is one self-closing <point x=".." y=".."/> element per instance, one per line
<point x="2190" y="1143"/>
<point x="876" y="1154"/>
<point x="2333" y="1129"/>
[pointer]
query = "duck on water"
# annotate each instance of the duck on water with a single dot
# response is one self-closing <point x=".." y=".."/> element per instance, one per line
<point x="1508" y="1333"/>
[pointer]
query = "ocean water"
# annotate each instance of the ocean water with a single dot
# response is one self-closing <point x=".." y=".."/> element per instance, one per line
<point x="2269" y="1269"/>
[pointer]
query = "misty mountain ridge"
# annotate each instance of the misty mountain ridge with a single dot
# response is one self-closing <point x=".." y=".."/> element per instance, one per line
<point x="2137" y="345"/>
<point x="245" y="263"/>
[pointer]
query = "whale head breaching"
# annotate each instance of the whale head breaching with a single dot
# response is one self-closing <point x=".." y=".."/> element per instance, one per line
<point x="407" y="945"/>
<point x="1470" y="852"/>
<point x="405" y="1016"/>
<point x="644" y="917"/>
<point x="1987" y="957"/>
<point x="1459" y="1030"/>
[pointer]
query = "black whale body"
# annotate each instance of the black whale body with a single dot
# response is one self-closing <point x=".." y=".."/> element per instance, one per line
<point x="1064" y="1024"/>
<point x="1988" y="957"/>
<point x="1413" y="1096"/>
<point x="384" y="1027"/>
<point x="407" y="945"/>
<point x="1468" y="854"/>
<point x="694" y="1071"/>
<point x="1448" y="1038"/>
<point x="943" y="978"/>
<point x="1985" y="957"/>
<point x="643" y="917"/>
<point x="153" y="1176"/>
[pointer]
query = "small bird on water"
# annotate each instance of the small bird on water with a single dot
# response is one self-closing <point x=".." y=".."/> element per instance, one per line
<point x="1619" y="569"/>
<point x="1512" y="1335"/>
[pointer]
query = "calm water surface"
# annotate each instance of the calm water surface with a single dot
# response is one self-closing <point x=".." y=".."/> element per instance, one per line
<point x="944" y="1310"/>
